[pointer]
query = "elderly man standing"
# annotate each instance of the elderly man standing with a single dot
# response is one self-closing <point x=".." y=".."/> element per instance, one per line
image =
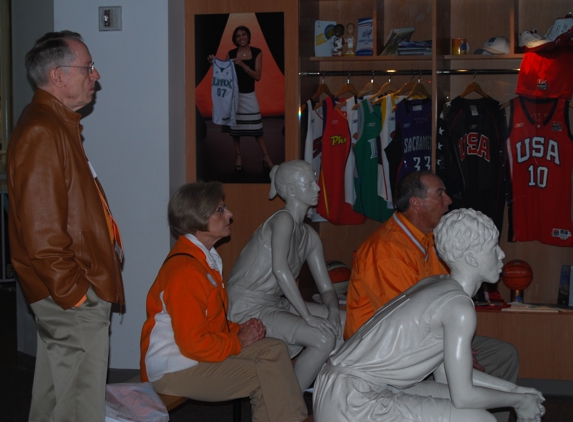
<point x="400" y="253"/>
<point x="65" y="245"/>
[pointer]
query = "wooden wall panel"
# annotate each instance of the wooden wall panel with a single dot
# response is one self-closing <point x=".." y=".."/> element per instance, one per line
<point x="340" y="241"/>
<point x="544" y="341"/>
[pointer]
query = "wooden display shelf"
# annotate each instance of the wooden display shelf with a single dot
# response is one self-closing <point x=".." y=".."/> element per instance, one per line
<point x="544" y="340"/>
<point x="371" y="58"/>
<point x="483" y="57"/>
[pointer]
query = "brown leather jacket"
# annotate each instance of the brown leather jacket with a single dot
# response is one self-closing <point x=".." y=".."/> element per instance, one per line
<point x="59" y="239"/>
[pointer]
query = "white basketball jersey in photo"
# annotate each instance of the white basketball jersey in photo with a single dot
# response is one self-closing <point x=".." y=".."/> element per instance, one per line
<point x="224" y="92"/>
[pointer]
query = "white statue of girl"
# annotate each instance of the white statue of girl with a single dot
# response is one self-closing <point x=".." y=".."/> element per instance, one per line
<point x="267" y="269"/>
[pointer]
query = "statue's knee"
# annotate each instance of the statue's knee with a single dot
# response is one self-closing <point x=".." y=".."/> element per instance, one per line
<point x="325" y="343"/>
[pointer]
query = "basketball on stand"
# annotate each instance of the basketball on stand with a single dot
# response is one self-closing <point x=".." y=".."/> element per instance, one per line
<point x="517" y="274"/>
<point x="339" y="274"/>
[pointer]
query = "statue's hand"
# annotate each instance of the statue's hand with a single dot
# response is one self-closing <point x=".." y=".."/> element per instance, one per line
<point x="527" y="390"/>
<point x="530" y="409"/>
<point x="334" y="318"/>
<point x="323" y="325"/>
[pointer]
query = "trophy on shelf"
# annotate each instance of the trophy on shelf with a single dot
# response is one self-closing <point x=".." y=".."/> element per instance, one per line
<point x="350" y="39"/>
<point x="517" y="276"/>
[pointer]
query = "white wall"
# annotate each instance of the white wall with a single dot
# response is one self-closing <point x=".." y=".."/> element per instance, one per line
<point x="30" y="20"/>
<point x="127" y="141"/>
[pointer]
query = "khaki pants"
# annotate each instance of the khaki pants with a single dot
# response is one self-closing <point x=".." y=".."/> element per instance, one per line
<point x="263" y="371"/>
<point x="71" y="361"/>
<point x="500" y="360"/>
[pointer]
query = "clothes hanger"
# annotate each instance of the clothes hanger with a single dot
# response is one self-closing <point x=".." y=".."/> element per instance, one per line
<point x="369" y="87"/>
<point x="387" y="88"/>
<point x="345" y="89"/>
<point x="473" y="86"/>
<point x="407" y="87"/>
<point x="504" y="105"/>
<point x="418" y="89"/>
<point x="322" y="89"/>
<point x="384" y="89"/>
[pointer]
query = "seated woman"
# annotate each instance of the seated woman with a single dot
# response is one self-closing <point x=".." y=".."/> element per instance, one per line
<point x="267" y="269"/>
<point x="188" y="347"/>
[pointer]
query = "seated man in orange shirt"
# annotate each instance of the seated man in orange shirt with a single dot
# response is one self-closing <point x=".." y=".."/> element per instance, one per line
<point x="400" y="253"/>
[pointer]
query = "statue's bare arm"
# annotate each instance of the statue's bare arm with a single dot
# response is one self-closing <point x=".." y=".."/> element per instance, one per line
<point x="317" y="266"/>
<point x="471" y="389"/>
<point x="280" y="230"/>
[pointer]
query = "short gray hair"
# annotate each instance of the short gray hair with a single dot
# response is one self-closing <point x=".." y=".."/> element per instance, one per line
<point x="50" y="51"/>
<point x="192" y="205"/>
<point x="463" y="230"/>
<point x="411" y="186"/>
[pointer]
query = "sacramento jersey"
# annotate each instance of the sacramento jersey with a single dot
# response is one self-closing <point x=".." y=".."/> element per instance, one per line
<point x="469" y="156"/>
<point x="368" y="202"/>
<point x="540" y="156"/>
<point x="411" y="148"/>
<point x="224" y="92"/>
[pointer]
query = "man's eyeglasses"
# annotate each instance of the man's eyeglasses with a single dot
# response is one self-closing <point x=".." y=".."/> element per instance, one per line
<point x="90" y="68"/>
<point x="221" y="209"/>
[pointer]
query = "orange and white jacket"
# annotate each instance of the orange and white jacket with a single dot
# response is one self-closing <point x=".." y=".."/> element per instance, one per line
<point x="186" y="315"/>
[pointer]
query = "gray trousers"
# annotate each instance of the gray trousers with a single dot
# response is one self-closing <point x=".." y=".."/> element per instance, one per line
<point x="500" y="360"/>
<point x="71" y="361"/>
<point x="263" y="371"/>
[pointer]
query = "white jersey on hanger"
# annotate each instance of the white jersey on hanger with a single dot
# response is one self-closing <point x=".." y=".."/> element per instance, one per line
<point x="313" y="147"/>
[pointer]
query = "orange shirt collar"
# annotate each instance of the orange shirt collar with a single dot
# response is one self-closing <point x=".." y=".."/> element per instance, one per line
<point x="427" y="241"/>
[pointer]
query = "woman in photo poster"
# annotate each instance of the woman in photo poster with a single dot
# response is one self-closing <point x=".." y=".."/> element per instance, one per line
<point x="259" y="75"/>
<point x="248" y="62"/>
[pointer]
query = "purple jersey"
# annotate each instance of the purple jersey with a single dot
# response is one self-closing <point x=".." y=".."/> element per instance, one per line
<point x="411" y="148"/>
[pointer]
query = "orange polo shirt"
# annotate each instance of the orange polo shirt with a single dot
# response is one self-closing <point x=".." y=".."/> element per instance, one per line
<point x="394" y="258"/>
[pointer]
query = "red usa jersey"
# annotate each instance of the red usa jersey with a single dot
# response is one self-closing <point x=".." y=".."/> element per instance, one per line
<point x="540" y="160"/>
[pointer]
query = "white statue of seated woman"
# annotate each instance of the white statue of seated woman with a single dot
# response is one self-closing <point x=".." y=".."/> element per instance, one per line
<point x="262" y="283"/>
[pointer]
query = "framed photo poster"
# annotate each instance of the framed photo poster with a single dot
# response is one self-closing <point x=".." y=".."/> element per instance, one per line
<point x="240" y="96"/>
